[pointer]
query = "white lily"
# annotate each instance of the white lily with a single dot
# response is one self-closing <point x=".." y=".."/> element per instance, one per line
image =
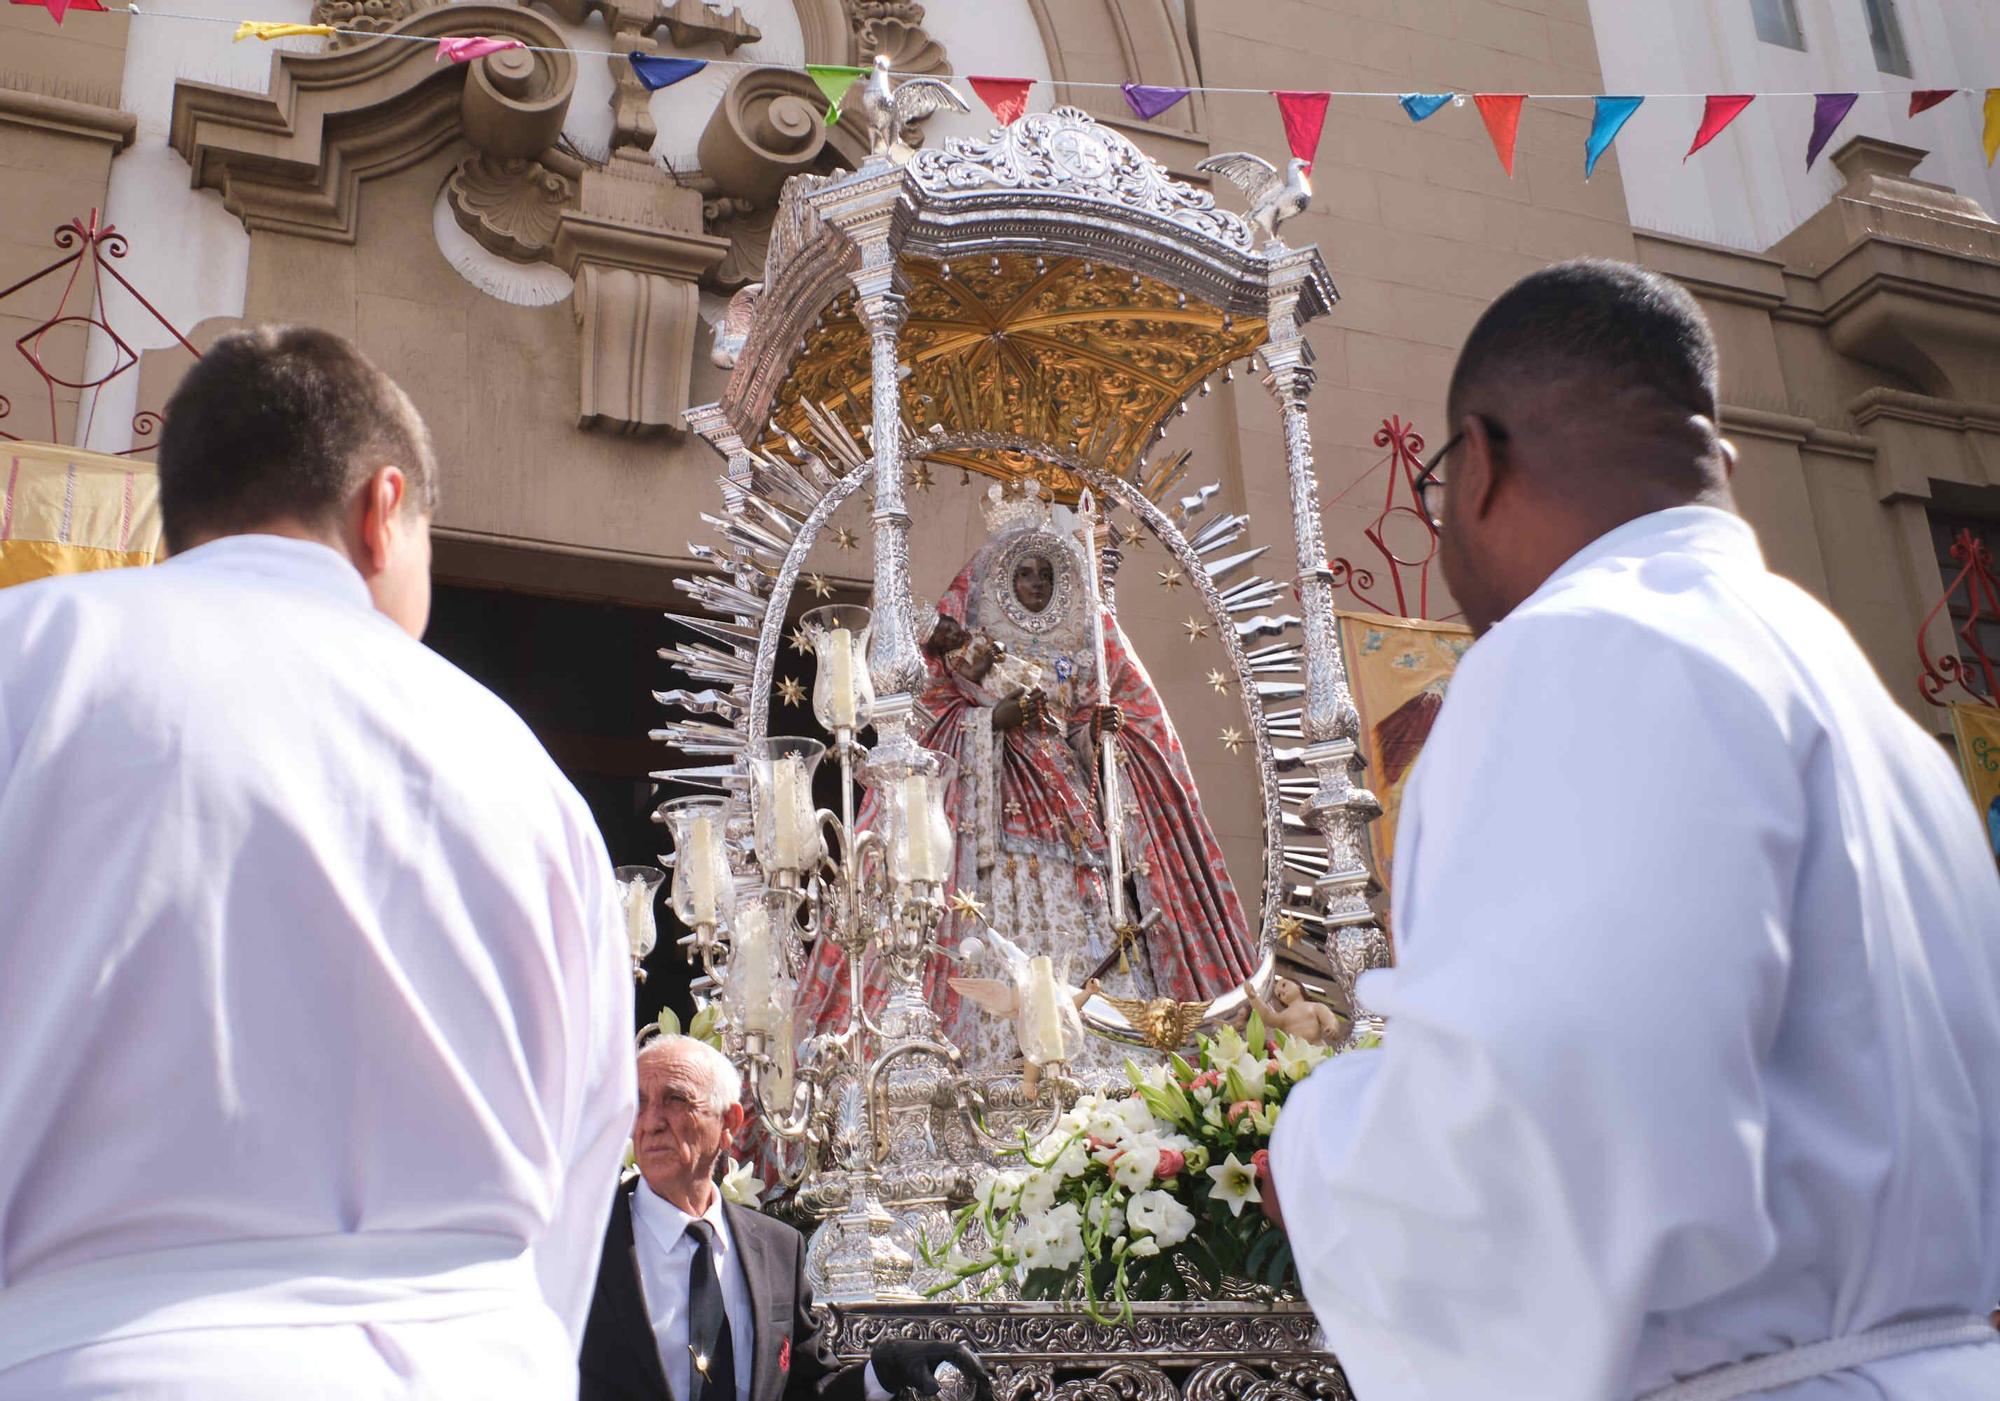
<point x="741" y="1185"/>
<point x="1235" y="1184"/>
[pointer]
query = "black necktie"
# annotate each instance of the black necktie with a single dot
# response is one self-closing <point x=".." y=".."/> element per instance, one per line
<point x="708" y="1324"/>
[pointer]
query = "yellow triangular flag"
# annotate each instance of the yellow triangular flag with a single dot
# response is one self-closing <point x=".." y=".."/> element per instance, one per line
<point x="269" y="29"/>
<point x="1992" y="124"/>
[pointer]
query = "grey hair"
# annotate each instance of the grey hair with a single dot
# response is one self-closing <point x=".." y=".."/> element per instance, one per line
<point x="725" y="1083"/>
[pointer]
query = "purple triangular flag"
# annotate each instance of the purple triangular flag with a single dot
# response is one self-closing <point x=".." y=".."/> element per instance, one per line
<point x="1829" y="111"/>
<point x="1148" y="102"/>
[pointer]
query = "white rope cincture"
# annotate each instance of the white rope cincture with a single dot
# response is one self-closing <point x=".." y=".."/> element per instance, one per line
<point x="1800" y="1364"/>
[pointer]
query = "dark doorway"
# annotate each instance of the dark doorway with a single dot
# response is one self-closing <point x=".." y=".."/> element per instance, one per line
<point x="581" y="674"/>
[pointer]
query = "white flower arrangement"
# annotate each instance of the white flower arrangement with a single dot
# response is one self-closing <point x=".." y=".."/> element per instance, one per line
<point x="1124" y="1182"/>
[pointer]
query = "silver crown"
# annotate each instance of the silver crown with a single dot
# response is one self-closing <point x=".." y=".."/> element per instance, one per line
<point x="1017" y="505"/>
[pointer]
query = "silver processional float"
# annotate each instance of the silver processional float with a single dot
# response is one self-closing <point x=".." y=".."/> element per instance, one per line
<point x="1035" y="307"/>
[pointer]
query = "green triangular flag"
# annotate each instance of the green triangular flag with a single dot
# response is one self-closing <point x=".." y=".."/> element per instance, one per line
<point x="833" y="81"/>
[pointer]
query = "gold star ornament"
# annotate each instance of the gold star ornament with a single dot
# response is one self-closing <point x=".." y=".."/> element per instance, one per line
<point x="1218" y="683"/>
<point x="801" y="643"/>
<point x="920" y="477"/>
<point x="790" y="691"/>
<point x="1290" y="926"/>
<point x="1196" y="629"/>
<point x="964" y="902"/>
<point x="845" y="539"/>
<point x="1132" y="537"/>
<point x="1233" y="739"/>
<point x="820" y="587"/>
<point x="1171" y="577"/>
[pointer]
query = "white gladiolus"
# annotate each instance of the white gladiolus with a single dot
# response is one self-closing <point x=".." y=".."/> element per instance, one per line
<point x="1136" y="1167"/>
<point x="1106" y="1216"/>
<point x="1038" y="1193"/>
<point x="999" y="1190"/>
<point x="741" y="1185"/>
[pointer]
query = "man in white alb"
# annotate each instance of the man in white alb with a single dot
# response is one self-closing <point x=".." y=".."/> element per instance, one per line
<point x="1690" y="1087"/>
<point x="313" y="1010"/>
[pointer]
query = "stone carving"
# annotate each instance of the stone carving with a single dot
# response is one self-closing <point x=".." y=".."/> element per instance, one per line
<point x="769" y="126"/>
<point x="894" y="29"/>
<point x="511" y="205"/>
<point x="748" y="230"/>
<point x="374" y="16"/>
<point x="1065" y="152"/>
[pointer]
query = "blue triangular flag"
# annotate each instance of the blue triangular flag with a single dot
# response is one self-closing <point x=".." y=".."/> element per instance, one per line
<point x="1611" y="115"/>
<point x="655" y="71"/>
<point x="1422" y="104"/>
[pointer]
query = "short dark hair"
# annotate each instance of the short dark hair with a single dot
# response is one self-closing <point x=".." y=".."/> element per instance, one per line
<point x="1607" y="325"/>
<point x="283" y="423"/>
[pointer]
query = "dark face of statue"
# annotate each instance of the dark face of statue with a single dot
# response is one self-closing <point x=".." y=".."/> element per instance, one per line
<point x="1034" y="582"/>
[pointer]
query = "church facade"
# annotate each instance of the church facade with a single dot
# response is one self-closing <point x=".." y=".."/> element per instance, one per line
<point x="543" y="251"/>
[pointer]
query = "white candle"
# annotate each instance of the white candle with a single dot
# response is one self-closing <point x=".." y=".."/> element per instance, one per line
<point x="1041" y="1028"/>
<point x="750" y="967"/>
<point x="923" y="858"/>
<point x="840" y="657"/>
<point x="786" y="838"/>
<point x="702" y="851"/>
<point x="640" y="931"/>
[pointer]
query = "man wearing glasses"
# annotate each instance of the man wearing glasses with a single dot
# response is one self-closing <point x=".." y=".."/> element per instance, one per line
<point x="699" y="1299"/>
<point x="1691" y="1080"/>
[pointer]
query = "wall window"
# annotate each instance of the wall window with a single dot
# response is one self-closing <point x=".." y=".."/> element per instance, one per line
<point x="1945" y="528"/>
<point x="1885" y="32"/>
<point x="1778" y="22"/>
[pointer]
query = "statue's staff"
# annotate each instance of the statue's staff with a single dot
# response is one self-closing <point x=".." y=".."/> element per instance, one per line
<point x="1105" y="732"/>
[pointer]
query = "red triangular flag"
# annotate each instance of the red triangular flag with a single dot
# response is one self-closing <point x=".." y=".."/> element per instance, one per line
<point x="1304" y="116"/>
<point x="1924" y="99"/>
<point x="1720" y="110"/>
<point x="1502" y="114"/>
<point x="1007" y="97"/>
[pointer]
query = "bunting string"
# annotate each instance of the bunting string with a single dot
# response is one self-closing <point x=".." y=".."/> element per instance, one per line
<point x="1301" y="113"/>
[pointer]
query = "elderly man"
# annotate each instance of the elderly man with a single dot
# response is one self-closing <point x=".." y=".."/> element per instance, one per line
<point x="1691" y="1083"/>
<point x="312" y="995"/>
<point x="699" y="1299"/>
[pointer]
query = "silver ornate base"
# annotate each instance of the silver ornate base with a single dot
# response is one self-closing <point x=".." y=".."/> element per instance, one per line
<point x="1171" y="1352"/>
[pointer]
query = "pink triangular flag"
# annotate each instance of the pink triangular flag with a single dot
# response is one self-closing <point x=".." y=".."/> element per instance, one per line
<point x="58" y="8"/>
<point x="466" y="50"/>
<point x="1006" y="97"/>
<point x="1304" y="116"/>
<point x="1502" y="114"/>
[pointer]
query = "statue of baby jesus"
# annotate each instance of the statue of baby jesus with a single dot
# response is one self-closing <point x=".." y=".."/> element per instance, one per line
<point x="1022" y="690"/>
<point x="1297" y="1015"/>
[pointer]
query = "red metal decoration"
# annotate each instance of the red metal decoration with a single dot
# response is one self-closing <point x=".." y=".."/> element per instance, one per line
<point x="1969" y="668"/>
<point x="1405" y="463"/>
<point x="98" y="244"/>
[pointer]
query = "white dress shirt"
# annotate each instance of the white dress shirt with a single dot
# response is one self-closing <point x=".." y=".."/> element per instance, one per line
<point x="314" y="1008"/>
<point x="1693" y="1047"/>
<point x="666" y="1257"/>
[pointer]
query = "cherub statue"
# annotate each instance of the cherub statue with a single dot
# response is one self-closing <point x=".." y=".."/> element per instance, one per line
<point x="1045" y="1010"/>
<point x="1297" y="1015"/>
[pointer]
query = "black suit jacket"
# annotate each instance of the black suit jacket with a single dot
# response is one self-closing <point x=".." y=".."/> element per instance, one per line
<point x="792" y="1356"/>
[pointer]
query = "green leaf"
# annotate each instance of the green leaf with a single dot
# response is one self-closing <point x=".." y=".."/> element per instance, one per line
<point x="669" y="1024"/>
<point x="1255" y="1034"/>
<point x="707" y="1025"/>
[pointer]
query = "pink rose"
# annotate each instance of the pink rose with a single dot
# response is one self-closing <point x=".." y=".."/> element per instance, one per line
<point x="1172" y="1163"/>
<point x="1240" y="1108"/>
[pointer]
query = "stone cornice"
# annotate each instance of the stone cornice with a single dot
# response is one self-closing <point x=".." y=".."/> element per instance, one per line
<point x="1743" y="421"/>
<point x="66" y="117"/>
<point x="293" y="159"/>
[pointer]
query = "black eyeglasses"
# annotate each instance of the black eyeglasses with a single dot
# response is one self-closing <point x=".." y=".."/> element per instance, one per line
<point x="1430" y="486"/>
<point x="1430" y="482"/>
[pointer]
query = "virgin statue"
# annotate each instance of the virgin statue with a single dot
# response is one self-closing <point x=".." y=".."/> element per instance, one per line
<point x="1012" y="695"/>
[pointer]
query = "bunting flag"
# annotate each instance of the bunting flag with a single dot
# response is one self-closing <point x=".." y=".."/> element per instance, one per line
<point x="267" y="30"/>
<point x="1304" y="116"/>
<point x="1720" y="110"/>
<point x="1830" y="109"/>
<point x="655" y="71"/>
<point x="1924" y="99"/>
<point x="1502" y="115"/>
<point x="1006" y="98"/>
<point x="1146" y="102"/>
<point x="58" y="8"/>
<point x="466" y="50"/>
<point x="833" y="80"/>
<point x="1423" y="104"/>
<point x="1992" y="124"/>
<point x="1606" y="122"/>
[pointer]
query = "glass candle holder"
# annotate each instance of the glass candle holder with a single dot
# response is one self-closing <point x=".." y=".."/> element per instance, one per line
<point x="755" y="968"/>
<point x="843" y="693"/>
<point x="637" y="886"/>
<point x="783" y="817"/>
<point x="910" y="814"/>
<point x="704" y="892"/>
